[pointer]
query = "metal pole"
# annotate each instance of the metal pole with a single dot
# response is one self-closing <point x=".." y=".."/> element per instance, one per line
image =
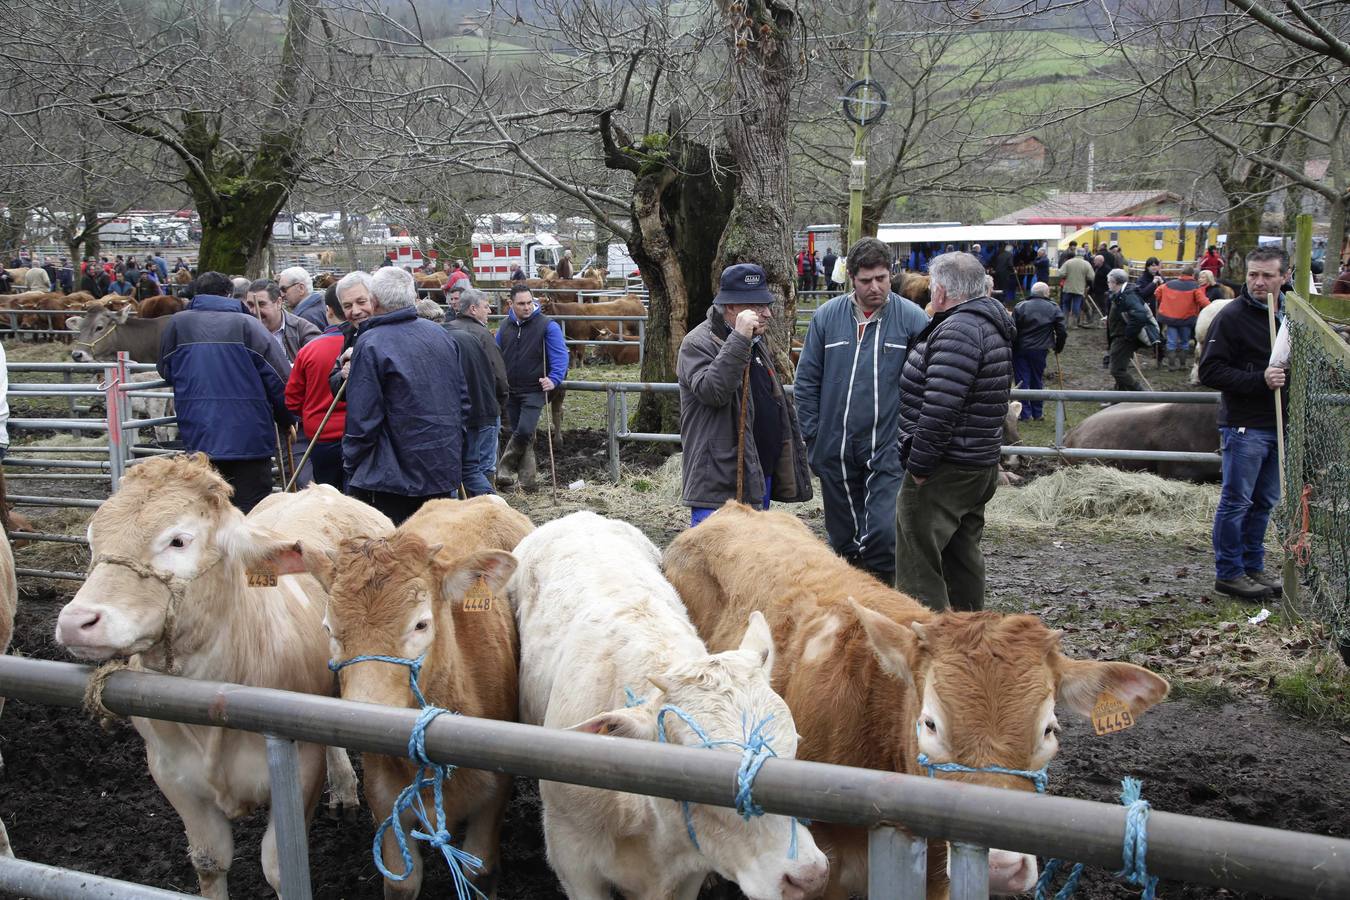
<point x="21" y="878"/>
<point x="1186" y="848"/>
<point x="1059" y="423"/>
<point x="65" y="379"/>
<point x="897" y="864"/>
<point x="969" y="866"/>
<point x="612" y="433"/>
<point x="857" y="176"/>
<point x="288" y="817"/>
<point x="112" y="410"/>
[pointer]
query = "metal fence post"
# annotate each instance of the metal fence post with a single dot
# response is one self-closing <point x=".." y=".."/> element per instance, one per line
<point x="111" y="402"/>
<point x="612" y="433"/>
<point x="288" y="817"/>
<point x="969" y="867"/>
<point x="124" y="414"/>
<point x="897" y="865"/>
<point x="65" y="379"/>
<point x="1059" y="423"/>
<point x="642" y="341"/>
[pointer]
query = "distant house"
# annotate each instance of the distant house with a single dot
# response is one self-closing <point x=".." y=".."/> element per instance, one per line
<point x="467" y="27"/>
<point x="1073" y="209"/>
<point x="1310" y="202"/>
<point x="1018" y="154"/>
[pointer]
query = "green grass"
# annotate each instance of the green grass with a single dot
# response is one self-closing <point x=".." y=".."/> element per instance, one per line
<point x="586" y="409"/>
<point x="1319" y="689"/>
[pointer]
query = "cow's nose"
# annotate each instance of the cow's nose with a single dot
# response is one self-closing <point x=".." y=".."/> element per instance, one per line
<point x="806" y="882"/>
<point x="74" y="625"/>
<point x="80" y="356"/>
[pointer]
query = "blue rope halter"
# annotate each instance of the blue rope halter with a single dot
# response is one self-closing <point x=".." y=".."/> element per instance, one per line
<point x="1134" y="871"/>
<point x="429" y="775"/>
<point x="755" y="751"/>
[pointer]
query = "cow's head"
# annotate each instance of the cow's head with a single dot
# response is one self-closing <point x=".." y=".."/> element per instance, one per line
<point x="169" y="523"/>
<point x="393" y="597"/>
<point x="987" y="685"/>
<point x="93" y="330"/>
<point x="728" y="695"/>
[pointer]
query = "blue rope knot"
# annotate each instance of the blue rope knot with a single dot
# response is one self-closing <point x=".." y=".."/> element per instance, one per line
<point x="429" y="775"/>
<point x="1038" y="777"/>
<point x="755" y="751"/>
<point x="1134" y="871"/>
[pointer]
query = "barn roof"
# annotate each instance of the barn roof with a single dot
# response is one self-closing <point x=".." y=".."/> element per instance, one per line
<point x="1098" y="204"/>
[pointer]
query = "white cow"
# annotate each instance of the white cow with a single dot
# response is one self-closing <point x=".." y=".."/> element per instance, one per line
<point x="1202" y="325"/>
<point x="169" y="581"/>
<point x="9" y="602"/>
<point x="596" y="617"/>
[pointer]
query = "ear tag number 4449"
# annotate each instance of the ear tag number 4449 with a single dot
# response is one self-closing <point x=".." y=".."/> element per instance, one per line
<point x="1110" y="715"/>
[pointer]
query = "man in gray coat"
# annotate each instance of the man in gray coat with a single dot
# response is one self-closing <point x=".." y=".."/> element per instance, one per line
<point x="717" y="359"/>
<point x="472" y="308"/>
<point x="848" y="399"/>
<point x="263" y="299"/>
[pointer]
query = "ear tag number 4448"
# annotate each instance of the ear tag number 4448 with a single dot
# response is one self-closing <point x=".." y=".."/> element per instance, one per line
<point x="479" y="597"/>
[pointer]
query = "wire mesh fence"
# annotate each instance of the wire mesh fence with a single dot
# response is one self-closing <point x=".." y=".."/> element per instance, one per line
<point x="1314" y="516"/>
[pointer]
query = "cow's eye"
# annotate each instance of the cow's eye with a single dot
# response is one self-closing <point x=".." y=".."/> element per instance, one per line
<point x="1051" y="729"/>
<point x="421" y="626"/>
<point x="178" y="543"/>
<point x="930" y="725"/>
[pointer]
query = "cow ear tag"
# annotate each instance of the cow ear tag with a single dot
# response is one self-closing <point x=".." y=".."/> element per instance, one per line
<point x="478" y="598"/>
<point x="262" y="577"/>
<point x="1110" y="715"/>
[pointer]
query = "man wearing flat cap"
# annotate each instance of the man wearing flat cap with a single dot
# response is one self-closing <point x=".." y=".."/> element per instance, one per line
<point x="737" y="426"/>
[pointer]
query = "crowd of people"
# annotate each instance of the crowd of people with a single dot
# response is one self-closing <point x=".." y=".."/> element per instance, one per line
<point x="99" y="276"/>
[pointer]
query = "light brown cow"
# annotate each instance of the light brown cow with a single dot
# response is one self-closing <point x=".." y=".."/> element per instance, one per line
<point x="169" y="586"/>
<point x="182" y="276"/>
<point x="587" y="330"/>
<point x="862" y="667"/>
<point x="626" y="355"/>
<point x="160" y="305"/>
<point x="9" y="603"/>
<point x="324" y="280"/>
<point x="404" y="596"/>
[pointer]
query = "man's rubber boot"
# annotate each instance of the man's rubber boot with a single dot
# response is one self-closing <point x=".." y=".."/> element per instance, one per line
<point x="529" y="468"/>
<point x="510" y="461"/>
<point x="1183" y="360"/>
<point x="1243" y="588"/>
<point x="1274" y="582"/>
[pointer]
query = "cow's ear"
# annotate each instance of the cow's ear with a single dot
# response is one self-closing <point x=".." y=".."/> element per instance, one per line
<point x="493" y="567"/>
<point x="74" y="323"/>
<point x="125" y="314"/>
<point x="638" y="722"/>
<point x="295" y="558"/>
<point x="895" y="646"/>
<point x="758" y="640"/>
<point x="1083" y="681"/>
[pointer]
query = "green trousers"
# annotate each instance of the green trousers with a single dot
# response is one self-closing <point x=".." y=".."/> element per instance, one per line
<point x="937" y="537"/>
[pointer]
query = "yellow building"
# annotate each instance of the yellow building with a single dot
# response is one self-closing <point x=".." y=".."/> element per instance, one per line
<point x="1140" y="240"/>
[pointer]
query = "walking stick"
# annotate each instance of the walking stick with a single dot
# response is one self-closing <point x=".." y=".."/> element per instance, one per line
<point x="4" y="504"/>
<point x="548" y="425"/>
<point x="281" y="458"/>
<point x="740" y="436"/>
<point x="337" y="398"/>
<point x="1279" y="392"/>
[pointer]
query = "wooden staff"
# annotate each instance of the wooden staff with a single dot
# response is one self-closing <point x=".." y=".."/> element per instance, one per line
<point x="548" y="424"/>
<point x="740" y="433"/>
<point x="337" y="398"/>
<point x="1271" y="300"/>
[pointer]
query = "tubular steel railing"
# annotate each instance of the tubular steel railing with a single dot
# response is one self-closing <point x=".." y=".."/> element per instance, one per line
<point x="902" y="812"/>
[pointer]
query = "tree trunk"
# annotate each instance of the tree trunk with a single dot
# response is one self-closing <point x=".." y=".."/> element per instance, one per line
<point x="761" y="35"/>
<point x="348" y="229"/>
<point x="1244" y="231"/>
<point x="1335" y="243"/>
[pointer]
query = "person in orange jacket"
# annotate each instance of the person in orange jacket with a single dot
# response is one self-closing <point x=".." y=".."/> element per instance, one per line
<point x="1179" y="303"/>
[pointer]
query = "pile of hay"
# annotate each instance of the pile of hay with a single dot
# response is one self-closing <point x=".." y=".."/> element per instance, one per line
<point x="1106" y="500"/>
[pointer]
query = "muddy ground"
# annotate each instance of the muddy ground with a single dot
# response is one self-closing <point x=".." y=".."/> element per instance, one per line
<point x="77" y="796"/>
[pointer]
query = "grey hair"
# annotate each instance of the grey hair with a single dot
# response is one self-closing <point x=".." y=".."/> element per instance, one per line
<point x="239" y="287"/>
<point x="296" y="274"/>
<point x="268" y="285"/>
<point x="471" y="297"/>
<point x="1187" y="271"/>
<point x="961" y="275"/>
<point x="1040" y="289"/>
<point x="430" y="309"/>
<point x="1118" y="276"/>
<point x="350" y="280"/>
<point x="393" y="288"/>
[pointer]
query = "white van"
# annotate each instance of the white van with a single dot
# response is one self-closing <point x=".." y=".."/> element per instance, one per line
<point x="621" y="265"/>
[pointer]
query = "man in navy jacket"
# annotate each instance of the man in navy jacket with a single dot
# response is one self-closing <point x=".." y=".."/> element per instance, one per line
<point x="536" y="358"/>
<point x="229" y="385"/>
<point x="848" y="403"/>
<point x="407" y="405"/>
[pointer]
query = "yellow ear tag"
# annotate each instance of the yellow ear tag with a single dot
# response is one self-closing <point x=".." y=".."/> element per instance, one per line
<point x="262" y="577"/>
<point x="478" y="598"/>
<point x="1110" y="715"/>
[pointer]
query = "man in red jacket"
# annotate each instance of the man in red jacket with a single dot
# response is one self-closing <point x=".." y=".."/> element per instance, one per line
<point x="308" y="393"/>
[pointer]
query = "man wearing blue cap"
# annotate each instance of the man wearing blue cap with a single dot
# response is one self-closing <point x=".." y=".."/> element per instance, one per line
<point x="736" y="424"/>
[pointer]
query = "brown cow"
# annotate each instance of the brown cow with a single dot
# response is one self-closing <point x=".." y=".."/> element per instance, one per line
<point x="433" y="589"/>
<point x="49" y="304"/>
<point x="430" y="280"/>
<point x="916" y="287"/>
<point x="862" y="667"/>
<point x="182" y="276"/>
<point x="626" y="355"/>
<point x="155" y="307"/>
<point x="588" y="330"/>
<point x="324" y="280"/>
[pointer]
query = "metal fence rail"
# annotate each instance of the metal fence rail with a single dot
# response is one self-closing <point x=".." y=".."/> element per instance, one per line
<point x="1186" y="848"/>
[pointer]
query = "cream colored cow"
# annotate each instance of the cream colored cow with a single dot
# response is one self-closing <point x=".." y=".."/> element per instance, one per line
<point x="171" y="584"/>
<point x="9" y="602"/>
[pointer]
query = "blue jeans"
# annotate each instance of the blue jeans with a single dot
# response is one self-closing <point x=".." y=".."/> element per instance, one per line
<point x="699" y="513"/>
<point x="1251" y="488"/>
<point x="326" y="458"/>
<point x="1072" y="304"/>
<point x="1029" y="370"/>
<point x="1179" y="333"/>
<point x="480" y="459"/>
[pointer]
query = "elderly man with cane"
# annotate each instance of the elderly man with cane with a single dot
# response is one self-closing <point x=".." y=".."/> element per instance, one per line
<point x="739" y="431"/>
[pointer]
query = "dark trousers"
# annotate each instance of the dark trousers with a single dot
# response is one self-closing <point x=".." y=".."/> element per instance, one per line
<point x="1029" y="370"/>
<point x="396" y="506"/>
<point x="859" y="504"/>
<point x="938" y="528"/>
<point x="326" y="459"/>
<point x="522" y="413"/>
<point x="251" y="479"/>
<point x="1122" y="363"/>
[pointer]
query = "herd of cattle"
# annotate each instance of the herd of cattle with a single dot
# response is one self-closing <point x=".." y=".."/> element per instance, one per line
<point x="747" y="623"/>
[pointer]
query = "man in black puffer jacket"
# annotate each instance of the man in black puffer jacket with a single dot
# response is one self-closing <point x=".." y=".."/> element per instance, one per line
<point x="953" y="399"/>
